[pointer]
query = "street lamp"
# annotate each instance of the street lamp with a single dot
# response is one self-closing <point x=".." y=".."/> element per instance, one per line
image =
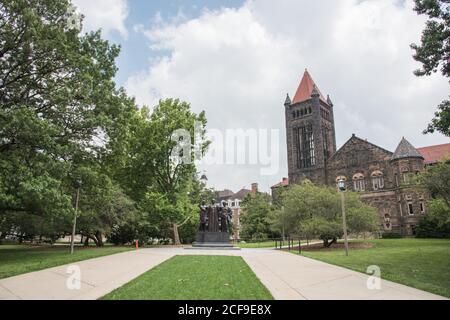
<point x="72" y="240"/>
<point x="342" y="189"/>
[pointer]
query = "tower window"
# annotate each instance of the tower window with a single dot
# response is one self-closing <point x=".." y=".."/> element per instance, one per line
<point x="410" y="208"/>
<point x="422" y="207"/>
<point x="325" y="134"/>
<point x="304" y="139"/>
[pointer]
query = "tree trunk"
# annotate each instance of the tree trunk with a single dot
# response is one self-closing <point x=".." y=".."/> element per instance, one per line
<point x="99" y="238"/>
<point x="86" y="241"/>
<point x="327" y="243"/>
<point x="176" y="236"/>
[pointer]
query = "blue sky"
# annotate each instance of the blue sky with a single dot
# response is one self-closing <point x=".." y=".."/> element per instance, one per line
<point x="135" y="49"/>
<point x="237" y="59"/>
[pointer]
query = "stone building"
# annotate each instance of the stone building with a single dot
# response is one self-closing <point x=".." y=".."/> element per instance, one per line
<point x="382" y="177"/>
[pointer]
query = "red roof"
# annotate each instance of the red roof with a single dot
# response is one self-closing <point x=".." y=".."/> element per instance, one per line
<point x="433" y="154"/>
<point x="283" y="183"/>
<point x="305" y="89"/>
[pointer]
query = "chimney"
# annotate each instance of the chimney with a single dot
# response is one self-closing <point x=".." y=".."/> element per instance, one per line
<point x="254" y="188"/>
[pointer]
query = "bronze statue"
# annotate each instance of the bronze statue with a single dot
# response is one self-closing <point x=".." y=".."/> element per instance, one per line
<point x="203" y="218"/>
<point x="215" y="226"/>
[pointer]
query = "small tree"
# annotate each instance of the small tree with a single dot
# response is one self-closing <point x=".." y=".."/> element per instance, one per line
<point x="256" y="210"/>
<point x="315" y="211"/>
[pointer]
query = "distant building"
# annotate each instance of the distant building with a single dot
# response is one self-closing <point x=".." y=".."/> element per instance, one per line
<point x="381" y="176"/>
<point x="234" y="200"/>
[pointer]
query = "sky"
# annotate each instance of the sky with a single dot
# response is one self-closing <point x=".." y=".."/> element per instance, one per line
<point x="237" y="59"/>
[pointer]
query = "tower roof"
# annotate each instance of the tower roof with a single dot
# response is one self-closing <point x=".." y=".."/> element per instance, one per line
<point x="305" y="89"/>
<point x="406" y="150"/>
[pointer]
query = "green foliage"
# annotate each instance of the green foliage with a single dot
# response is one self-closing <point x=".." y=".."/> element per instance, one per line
<point x="63" y="120"/>
<point x="255" y="217"/>
<point x="315" y="211"/>
<point x="391" y="235"/>
<point x="434" y="53"/>
<point x="436" y="179"/>
<point x="188" y="232"/>
<point x="58" y="100"/>
<point x="436" y="223"/>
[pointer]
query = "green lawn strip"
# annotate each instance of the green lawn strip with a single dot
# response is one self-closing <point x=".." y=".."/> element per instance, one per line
<point x="265" y="244"/>
<point x="18" y="259"/>
<point x="195" y="278"/>
<point x="420" y="263"/>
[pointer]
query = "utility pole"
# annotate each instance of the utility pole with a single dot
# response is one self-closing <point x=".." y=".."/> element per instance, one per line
<point x="72" y="240"/>
<point x="342" y="190"/>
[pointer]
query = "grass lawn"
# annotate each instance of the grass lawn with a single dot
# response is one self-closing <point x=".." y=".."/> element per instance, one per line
<point x="18" y="259"/>
<point x="420" y="263"/>
<point x="195" y="278"/>
<point x="265" y="244"/>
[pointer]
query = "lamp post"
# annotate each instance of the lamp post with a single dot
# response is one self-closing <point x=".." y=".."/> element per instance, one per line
<point x="72" y="240"/>
<point x="342" y="189"/>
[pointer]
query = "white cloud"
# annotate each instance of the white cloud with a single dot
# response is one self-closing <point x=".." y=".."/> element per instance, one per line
<point x="238" y="64"/>
<point x="109" y="15"/>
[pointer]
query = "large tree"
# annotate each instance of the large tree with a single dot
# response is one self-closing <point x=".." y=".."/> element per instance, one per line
<point x="163" y="185"/>
<point x="57" y="105"/>
<point x="434" y="53"/>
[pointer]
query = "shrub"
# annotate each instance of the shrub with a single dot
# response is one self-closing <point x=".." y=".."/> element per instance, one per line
<point x="391" y="235"/>
<point x="436" y="224"/>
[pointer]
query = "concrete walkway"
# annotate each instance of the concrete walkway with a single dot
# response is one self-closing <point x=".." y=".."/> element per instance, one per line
<point x="287" y="276"/>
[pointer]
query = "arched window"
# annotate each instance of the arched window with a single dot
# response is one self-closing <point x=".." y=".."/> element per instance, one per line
<point x="377" y="180"/>
<point x="339" y="178"/>
<point x="358" y="182"/>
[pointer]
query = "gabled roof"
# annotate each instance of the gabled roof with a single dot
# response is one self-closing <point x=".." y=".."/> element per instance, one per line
<point x="355" y="138"/>
<point x="283" y="183"/>
<point x="433" y="154"/>
<point x="405" y="150"/>
<point x="241" y="194"/>
<point x="306" y="88"/>
<point x="224" y="193"/>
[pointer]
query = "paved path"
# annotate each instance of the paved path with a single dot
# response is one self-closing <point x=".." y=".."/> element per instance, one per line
<point x="287" y="276"/>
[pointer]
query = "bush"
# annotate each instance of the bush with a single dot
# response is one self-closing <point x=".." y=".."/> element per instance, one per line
<point x="391" y="235"/>
<point x="188" y="232"/>
<point x="436" y="224"/>
<point x="123" y="234"/>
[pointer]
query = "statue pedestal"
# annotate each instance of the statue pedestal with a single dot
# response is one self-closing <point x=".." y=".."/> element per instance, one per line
<point x="213" y="240"/>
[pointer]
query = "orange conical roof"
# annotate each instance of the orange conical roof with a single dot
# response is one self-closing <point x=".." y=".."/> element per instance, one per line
<point x="305" y="89"/>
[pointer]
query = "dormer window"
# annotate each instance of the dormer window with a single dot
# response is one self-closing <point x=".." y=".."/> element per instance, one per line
<point x="359" y="183"/>
<point x="377" y="180"/>
<point x="339" y="178"/>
